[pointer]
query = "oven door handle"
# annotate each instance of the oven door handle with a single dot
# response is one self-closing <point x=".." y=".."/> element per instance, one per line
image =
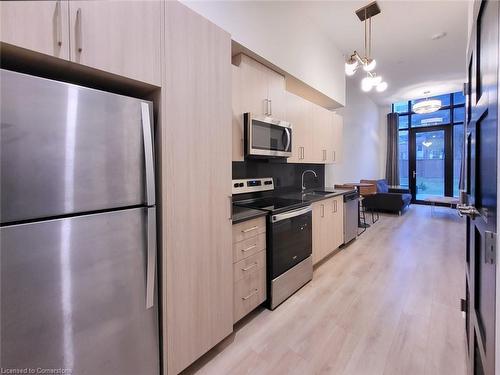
<point x="288" y="139"/>
<point x="290" y="214"/>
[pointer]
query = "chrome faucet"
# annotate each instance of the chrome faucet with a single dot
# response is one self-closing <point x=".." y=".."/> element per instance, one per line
<point x="303" y="173"/>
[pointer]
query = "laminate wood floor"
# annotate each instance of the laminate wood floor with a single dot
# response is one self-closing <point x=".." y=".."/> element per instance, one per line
<point x="389" y="303"/>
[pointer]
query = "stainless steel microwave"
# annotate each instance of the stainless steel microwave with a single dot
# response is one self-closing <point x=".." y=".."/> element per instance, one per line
<point x="267" y="137"/>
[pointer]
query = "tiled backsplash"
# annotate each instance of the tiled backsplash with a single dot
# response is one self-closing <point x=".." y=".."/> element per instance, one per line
<point x="287" y="176"/>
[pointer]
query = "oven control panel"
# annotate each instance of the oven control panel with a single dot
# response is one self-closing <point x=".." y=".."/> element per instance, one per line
<point x="252" y="185"/>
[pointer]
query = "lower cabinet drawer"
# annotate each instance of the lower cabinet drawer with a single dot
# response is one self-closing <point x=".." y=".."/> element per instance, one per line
<point x="249" y="265"/>
<point x="251" y="246"/>
<point x="249" y="228"/>
<point x="249" y="293"/>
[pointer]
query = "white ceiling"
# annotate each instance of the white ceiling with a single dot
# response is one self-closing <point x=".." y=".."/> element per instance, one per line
<point x="407" y="58"/>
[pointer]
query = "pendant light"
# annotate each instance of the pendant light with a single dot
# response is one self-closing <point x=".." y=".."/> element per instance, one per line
<point x="368" y="63"/>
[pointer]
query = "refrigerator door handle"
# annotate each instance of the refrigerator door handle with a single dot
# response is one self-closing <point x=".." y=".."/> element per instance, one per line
<point x="151" y="257"/>
<point x="148" y="153"/>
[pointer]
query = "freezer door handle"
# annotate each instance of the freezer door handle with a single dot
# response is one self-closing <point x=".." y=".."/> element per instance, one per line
<point x="148" y="153"/>
<point x="151" y="257"/>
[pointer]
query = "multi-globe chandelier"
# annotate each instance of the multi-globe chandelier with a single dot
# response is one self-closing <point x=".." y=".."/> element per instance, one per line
<point x="367" y="62"/>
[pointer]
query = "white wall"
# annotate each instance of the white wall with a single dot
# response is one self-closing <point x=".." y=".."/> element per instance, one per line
<point x="364" y="139"/>
<point x="284" y="37"/>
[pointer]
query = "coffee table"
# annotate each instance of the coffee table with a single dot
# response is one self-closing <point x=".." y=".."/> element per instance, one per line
<point x="448" y="201"/>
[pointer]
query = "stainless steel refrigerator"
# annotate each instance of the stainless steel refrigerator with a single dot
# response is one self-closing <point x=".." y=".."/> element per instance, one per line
<point x="78" y="229"/>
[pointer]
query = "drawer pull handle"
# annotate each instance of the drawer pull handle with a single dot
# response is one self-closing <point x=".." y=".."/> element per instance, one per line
<point x="249" y="229"/>
<point x="250" y="267"/>
<point x="250" y="295"/>
<point x="249" y="248"/>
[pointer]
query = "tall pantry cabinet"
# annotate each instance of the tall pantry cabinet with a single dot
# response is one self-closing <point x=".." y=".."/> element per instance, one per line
<point x="197" y="284"/>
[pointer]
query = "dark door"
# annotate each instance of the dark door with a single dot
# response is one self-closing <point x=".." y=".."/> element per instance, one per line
<point x="430" y="155"/>
<point x="481" y="164"/>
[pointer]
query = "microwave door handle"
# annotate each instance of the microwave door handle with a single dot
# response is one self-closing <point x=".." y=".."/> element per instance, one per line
<point x="288" y="139"/>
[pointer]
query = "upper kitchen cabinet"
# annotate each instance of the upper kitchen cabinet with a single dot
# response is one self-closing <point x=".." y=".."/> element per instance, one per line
<point x="262" y="89"/>
<point x="237" y="129"/>
<point x="322" y="135"/>
<point x="299" y="114"/>
<point x="44" y="26"/>
<point x="120" y="37"/>
<point x="338" y="129"/>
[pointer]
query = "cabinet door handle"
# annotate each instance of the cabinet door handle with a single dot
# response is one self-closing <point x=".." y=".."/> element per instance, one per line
<point x="322" y="210"/>
<point x="58" y="23"/>
<point x="230" y="207"/>
<point x="250" y="267"/>
<point x="249" y="229"/>
<point x="267" y="107"/>
<point x="324" y="155"/>
<point x="79" y="31"/>
<point x="334" y="156"/>
<point x="249" y="248"/>
<point x="250" y="295"/>
<point x="303" y="152"/>
<point x="270" y="107"/>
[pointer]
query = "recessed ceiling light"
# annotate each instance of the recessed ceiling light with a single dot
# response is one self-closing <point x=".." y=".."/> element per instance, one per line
<point x="437" y="36"/>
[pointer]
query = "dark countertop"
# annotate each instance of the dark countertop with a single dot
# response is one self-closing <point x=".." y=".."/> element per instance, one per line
<point x="243" y="213"/>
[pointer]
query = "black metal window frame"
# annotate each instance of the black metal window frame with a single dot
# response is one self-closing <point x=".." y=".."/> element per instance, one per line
<point x="448" y="128"/>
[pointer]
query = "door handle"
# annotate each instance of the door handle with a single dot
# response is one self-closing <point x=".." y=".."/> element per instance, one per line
<point x="470" y="211"/>
<point x="148" y="153"/>
<point x="250" y="295"/>
<point x="58" y="23"/>
<point x="79" y="31"/>
<point x="414" y="174"/>
<point x="151" y="257"/>
<point x="249" y="229"/>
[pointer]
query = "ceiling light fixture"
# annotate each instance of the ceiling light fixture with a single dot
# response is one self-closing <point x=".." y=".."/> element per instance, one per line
<point x="427" y="105"/>
<point x="368" y="63"/>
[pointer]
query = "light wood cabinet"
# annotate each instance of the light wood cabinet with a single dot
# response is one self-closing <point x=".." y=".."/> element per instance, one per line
<point x="262" y="90"/>
<point x="337" y="222"/>
<point x="328" y="227"/>
<point x="237" y="130"/>
<point x="249" y="272"/>
<point x="323" y="134"/>
<point x="40" y="26"/>
<point x="120" y="37"/>
<point x="197" y="255"/>
<point x="258" y="90"/>
<point x="338" y="128"/>
<point x="299" y="114"/>
<point x="276" y="94"/>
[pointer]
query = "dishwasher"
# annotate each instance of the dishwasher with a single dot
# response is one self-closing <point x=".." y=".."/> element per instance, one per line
<point x="351" y="212"/>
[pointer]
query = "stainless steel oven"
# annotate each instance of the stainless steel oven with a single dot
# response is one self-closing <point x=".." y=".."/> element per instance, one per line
<point x="290" y="253"/>
<point x="267" y="137"/>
